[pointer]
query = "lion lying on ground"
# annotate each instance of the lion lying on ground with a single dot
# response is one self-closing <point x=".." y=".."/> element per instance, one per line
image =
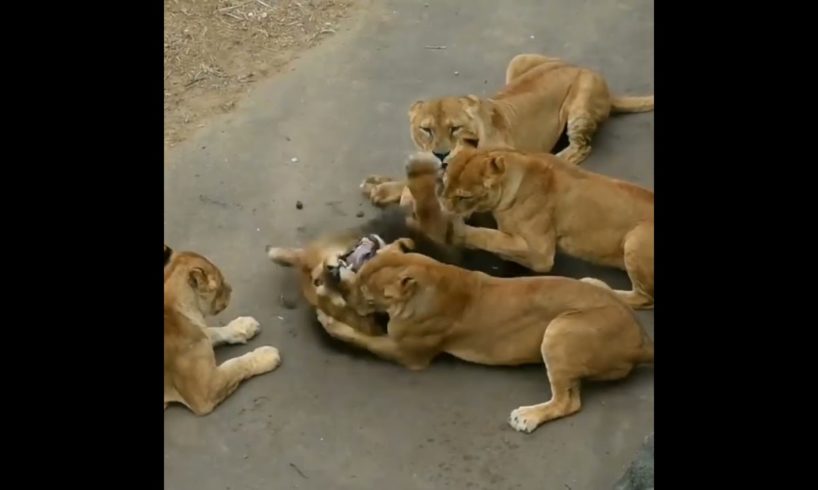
<point x="541" y="203"/>
<point x="421" y="222"/>
<point x="393" y="224"/>
<point x="543" y="99"/>
<point x="195" y="289"/>
<point x="579" y="330"/>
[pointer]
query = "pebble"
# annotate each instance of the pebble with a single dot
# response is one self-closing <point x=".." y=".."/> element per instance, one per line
<point x="359" y="214"/>
<point x="294" y="159"/>
<point x="299" y="205"/>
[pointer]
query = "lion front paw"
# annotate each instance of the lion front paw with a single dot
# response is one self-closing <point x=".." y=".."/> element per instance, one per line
<point x="266" y="359"/>
<point x="421" y="163"/>
<point x="333" y="327"/>
<point x="325" y="320"/>
<point x="524" y="419"/>
<point x="243" y="329"/>
<point x="372" y="182"/>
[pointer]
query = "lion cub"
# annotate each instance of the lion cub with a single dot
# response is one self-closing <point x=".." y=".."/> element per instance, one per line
<point x="543" y="99"/>
<point x="195" y="289"/>
<point x="541" y="203"/>
<point x="579" y="330"/>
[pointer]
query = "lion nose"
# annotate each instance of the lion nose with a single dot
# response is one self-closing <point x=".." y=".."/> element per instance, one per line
<point x="441" y="155"/>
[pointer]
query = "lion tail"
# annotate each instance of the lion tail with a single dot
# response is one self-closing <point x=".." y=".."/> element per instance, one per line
<point x="632" y="104"/>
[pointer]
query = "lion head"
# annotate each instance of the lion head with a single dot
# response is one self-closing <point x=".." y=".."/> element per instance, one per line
<point x="210" y="290"/>
<point x="443" y="125"/>
<point x="383" y="281"/>
<point x="473" y="182"/>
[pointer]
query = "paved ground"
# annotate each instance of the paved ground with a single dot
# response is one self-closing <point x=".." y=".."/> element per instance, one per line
<point x="333" y="419"/>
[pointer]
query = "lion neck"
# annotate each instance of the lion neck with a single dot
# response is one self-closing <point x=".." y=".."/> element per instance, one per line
<point x="183" y="300"/>
<point x="510" y="187"/>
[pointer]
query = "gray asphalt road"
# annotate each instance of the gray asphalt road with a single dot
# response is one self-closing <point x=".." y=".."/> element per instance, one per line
<point x="330" y="418"/>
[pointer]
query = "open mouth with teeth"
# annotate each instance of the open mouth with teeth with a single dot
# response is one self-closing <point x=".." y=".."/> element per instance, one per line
<point x="365" y="249"/>
<point x="352" y="261"/>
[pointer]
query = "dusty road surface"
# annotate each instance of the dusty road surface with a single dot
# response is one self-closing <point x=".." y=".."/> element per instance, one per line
<point x="331" y="418"/>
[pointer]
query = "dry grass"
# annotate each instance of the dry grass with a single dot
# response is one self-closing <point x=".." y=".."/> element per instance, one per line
<point x="216" y="49"/>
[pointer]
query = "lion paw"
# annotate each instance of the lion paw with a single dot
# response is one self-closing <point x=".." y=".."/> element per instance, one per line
<point x="421" y="163"/>
<point x="266" y="359"/>
<point x="382" y="195"/>
<point x="574" y="156"/>
<point x="325" y="320"/>
<point x="333" y="327"/>
<point x="243" y="329"/>
<point x="372" y="182"/>
<point x="524" y="419"/>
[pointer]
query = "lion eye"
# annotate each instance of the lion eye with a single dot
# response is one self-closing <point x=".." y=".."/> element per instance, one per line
<point x="428" y="131"/>
<point x="456" y="129"/>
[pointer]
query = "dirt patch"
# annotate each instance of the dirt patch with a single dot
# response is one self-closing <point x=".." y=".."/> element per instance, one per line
<point x="216" y="49"/>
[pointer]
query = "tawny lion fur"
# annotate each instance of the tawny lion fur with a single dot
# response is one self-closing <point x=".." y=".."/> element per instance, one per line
<point x="541" y="203"/>
<point x="310" y="261"/>
<point x="544" y="97"/>
<point x="194" y="290"/>
<point x="578" y="330"/>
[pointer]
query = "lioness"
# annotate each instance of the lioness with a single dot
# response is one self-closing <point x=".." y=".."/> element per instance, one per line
<point x="579" y="330"/>
<point x="544" y="98"/>
<point x="392" y="225"/>
<point x="195" y="289"/>
<point x="541" y="203"/>
<point x="422" y="223"/>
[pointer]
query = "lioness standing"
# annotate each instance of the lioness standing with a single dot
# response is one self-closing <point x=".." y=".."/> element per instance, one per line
<point x="543" y="98"/>
<point x="541" y="203"/>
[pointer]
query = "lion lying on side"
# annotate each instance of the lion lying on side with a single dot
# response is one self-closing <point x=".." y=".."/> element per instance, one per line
<point x="579" y="330"/>
<point x="422" y="223"/>
<point x="393" y="224"/>
<point x="541" y="203"/>
<point x="195" y="289"/>
<point x="543" y="98"/>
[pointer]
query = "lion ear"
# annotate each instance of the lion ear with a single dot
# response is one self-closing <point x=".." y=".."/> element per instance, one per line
<point x="197" y="278"/>
<point x="406" y="244"/>
<point x="407" y="282"/>
<point x="497" y="165"/>
<point x="404" y="286"/>
<point x="470" y="100"/>
<point x="168" y="253"/>
<point x="415" y="107"/>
